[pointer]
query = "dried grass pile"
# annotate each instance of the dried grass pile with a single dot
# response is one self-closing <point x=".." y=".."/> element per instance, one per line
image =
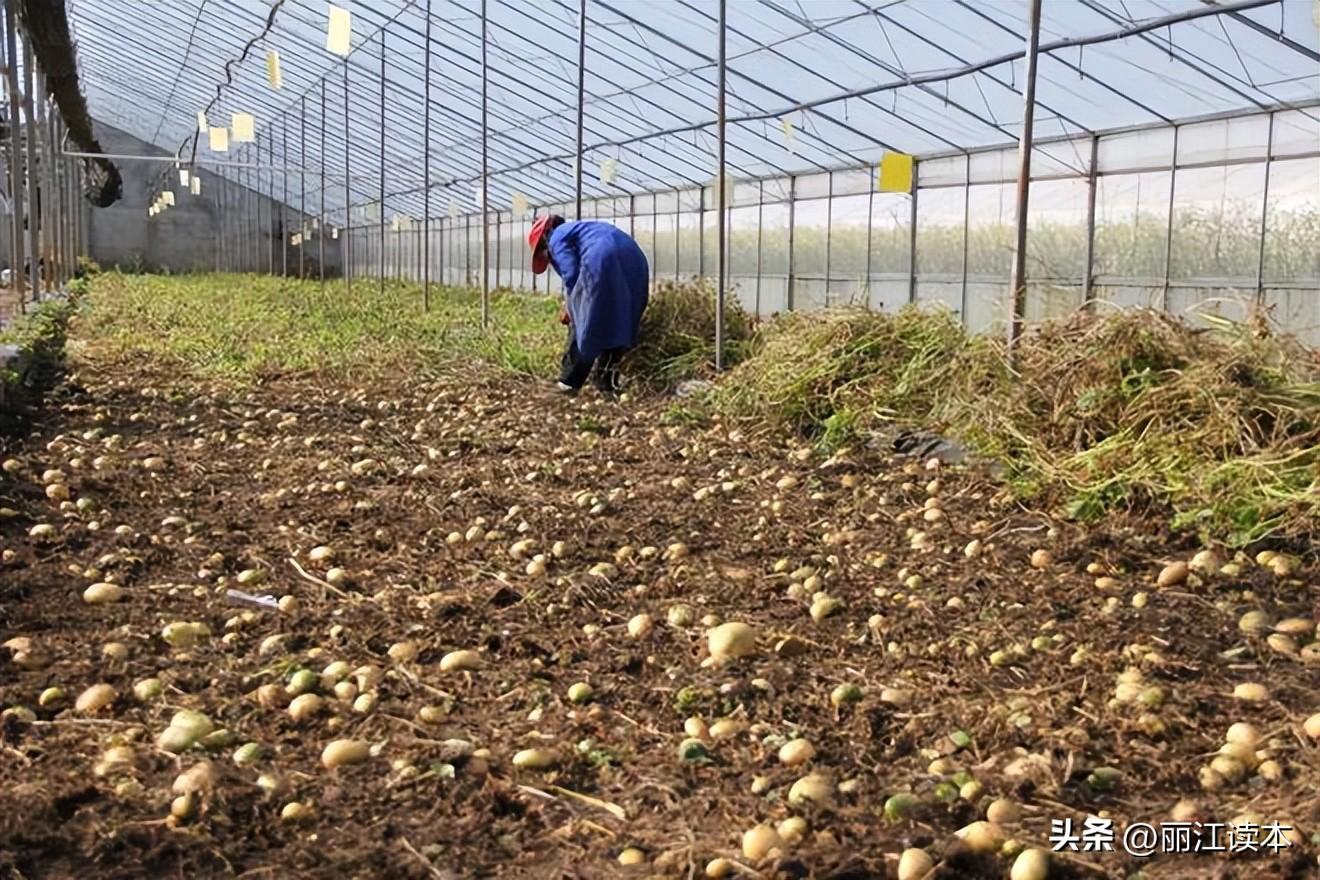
<point x="1138" y="411"/>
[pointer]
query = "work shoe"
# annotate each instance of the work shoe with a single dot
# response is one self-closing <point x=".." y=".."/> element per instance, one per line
<point x="565" y="389"/>
<point x="609" y="382"/>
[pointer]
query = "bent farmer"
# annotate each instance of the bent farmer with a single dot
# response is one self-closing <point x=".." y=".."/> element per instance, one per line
<point x="606" y="282"/>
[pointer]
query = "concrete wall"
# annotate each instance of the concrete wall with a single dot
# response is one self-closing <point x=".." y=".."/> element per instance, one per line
<point x="190" y="237"/>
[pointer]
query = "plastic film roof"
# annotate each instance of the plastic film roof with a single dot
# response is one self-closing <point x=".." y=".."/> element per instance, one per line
<point x="149" y="67"/>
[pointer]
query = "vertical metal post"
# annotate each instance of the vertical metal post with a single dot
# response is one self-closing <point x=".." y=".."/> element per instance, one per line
<point x="581" y="104"/>
<point x="240" y="223"/>
<point x="1088" y="268"/>
<point x="1168" y="232"/>
<point x="302" y="188"/>
<point x="912" y="237"/>
<point x="426" y="170"/>
<point x="220" y="226"/>
<point x="498" y="232"/>
<point x="678" y="235"/>
<point x="792" y="251"/>
<point x="16" y="283"/>
<point x="829" y="229"/>
<point x="269" y="235"/>
<point x="1019" y="278"/>
<point x="55" y="173"/>
<point x="1264" y="216"/>
<point x="382" y="160"/>
<point x="345" y="234"/>
<point x="485" y="178"/>
<point x="50" y="202"/>
<point x="320" y="223"/>
<point x="40" y="123"/>
<point x="760" y="237"/>
<point x="870" y="212"/>
<point x="284" y="201"/>
<point x="701" y="232"/>
<point x="55" y="266"/>
<point x="967" y="230"/>
<point x="34" y="212"/>
<point x="61" y="169"/>
<point x="249" y="223"/>
<point x="723" y="198"/>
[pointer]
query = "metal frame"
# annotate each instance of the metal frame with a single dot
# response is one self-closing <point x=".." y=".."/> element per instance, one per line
<point x="661" y="159"/>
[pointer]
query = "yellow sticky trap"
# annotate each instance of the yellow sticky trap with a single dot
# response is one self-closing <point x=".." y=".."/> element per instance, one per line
<point x="168" y="195"/>
<point x="274" y="75"/>
<point x="219" y="140"/>
<point x="519" y="204"/>
<point x="196" y="184"/>
<point x="202" y="127"/>
<point x="296" y="239"/>
<point x="339" y="33"/>
<point x="334" y="232"/>
<point x="895" y="173"/>
<point x="184" y="177"/>
<point x="453" y="210"/>
<point x="609" y="170"/>
<point x="244" y="126"/>
<point x="790" y="134"/>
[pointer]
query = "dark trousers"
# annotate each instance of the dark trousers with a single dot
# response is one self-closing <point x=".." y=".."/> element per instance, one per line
<point x="574" y="368"/>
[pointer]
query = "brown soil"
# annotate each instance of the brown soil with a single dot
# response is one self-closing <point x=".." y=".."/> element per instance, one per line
<point x="252" y="474"/>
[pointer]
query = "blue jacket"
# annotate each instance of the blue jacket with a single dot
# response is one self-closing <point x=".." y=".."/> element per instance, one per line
<point x="606" y="280"/>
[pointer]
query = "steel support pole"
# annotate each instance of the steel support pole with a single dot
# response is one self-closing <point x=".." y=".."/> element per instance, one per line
<point x="870" y="211"/>
<point x="760" y="239"/>
<point x="701" y="232"/>
<point x="302" y="188"/>
<point x="55" y="172"/>
<point x="829" y="228"/>
<point x="269" y="235"/>
<point x="1088" y="268"/>
<point x="33" y="198"/>
<point x="912" y="238"/>
<point x="678" y="235"/>
<point x="221" y="256"/>
<point x="284" y="201"/>
<point x="249" y="237"/>
<point x="53" y="212"/>
<point x="426" y="169"/>
<point x="16" y="283"/>
<point x="382" y="161"/>
<point x="345" y="234"/>
<point x="485" y="177"/>
<point x="966" y="233"/>
<point x="722" y="187"/>
<point x="581" y="105"/>
<point x="1168" y="232"/>
<point x="320" y="223"/>
<point x="1019" y="277"/>
<point x="792" y="250"/>
<point x="1264" y="216"/>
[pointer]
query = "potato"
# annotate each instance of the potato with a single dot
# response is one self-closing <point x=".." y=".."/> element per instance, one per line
<point x="344" y="752"/>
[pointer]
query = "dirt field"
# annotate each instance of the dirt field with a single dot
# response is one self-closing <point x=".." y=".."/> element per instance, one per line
<point x="1004" y="672"/>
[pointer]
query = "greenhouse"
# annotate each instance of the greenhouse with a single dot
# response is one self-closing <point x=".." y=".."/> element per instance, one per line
<point x="943" y="502"/>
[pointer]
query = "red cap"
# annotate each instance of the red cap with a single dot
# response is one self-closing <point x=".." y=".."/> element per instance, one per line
<point x="540" y="229"/>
